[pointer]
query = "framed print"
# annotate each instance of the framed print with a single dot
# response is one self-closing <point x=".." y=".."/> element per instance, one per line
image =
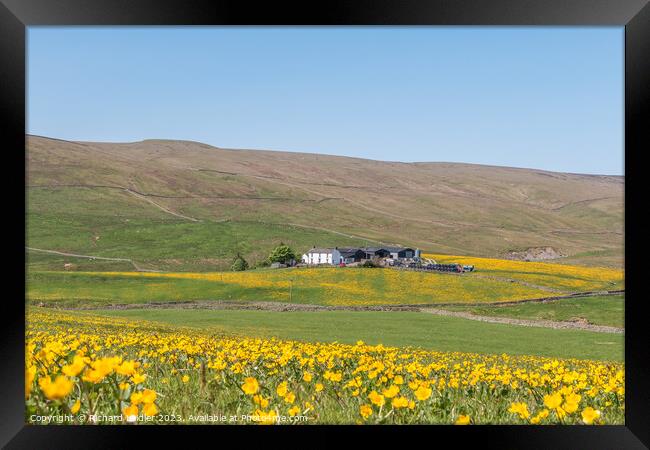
<point x="365" y="217"/>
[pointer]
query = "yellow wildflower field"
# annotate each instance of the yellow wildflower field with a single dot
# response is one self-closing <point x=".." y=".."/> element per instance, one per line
<point x="84" y="367"/>
<point x="347" y="286"/>
<point x="560" y="276"/>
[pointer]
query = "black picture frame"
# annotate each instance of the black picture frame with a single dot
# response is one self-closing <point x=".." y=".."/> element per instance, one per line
<point x="16" y="15"/>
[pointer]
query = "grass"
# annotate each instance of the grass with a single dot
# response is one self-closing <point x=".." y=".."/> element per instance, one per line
<point x="451" y="208"/>
<point x="394" y="329"/>
<point x="562" y="277"/>
<point x="116" y="225"/>
<point x="134" y="366"/>
<point x="601" y="310"/>
<point x="326" y="286"/>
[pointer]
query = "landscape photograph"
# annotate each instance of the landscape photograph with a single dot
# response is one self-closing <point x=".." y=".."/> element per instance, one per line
<point x="325" y="225"/>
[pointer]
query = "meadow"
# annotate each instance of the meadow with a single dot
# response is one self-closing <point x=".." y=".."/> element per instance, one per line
<point x="390" y="328"/>
<point x="114" y="224"/>
<point x="598" y="310"/>
<point x="564" y="277"/>
<point x="86" y="365"/>
<point x="324" y="286"/>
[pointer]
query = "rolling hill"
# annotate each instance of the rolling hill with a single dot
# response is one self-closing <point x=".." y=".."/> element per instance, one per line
<point x="187" y="206"/>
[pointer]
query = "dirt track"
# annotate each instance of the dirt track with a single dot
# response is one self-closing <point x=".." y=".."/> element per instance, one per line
<point x="103" y="258"/>
<point x="527" y="323"/>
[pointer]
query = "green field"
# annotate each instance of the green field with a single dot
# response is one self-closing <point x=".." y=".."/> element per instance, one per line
<point x="185" y="210"/>
<point x="601" y="310"/>
<point x="394" y="329"/>
<point x="113" y="224"/>
<point x="325" y="286"/>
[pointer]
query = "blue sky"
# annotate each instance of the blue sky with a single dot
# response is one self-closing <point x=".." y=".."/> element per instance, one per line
<point x="545" y="97"/>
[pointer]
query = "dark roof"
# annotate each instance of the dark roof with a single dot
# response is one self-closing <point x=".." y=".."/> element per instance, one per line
<point x="372" y="249"/>
<point x="398" y="249"/>
<point x="349" y="251"/>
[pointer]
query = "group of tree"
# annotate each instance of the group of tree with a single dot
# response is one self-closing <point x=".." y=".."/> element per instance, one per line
<point x="282" y="254"/>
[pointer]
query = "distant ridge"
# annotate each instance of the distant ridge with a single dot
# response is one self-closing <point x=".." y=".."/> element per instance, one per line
<point x="454" y="208"/>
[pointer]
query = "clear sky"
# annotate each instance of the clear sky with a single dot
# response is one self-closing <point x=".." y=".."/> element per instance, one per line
<point x="544" y="97"/>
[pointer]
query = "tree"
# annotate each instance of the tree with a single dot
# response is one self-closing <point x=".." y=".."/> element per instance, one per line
<point x="282" y="254"/>
<point x="239" y="264"/>
<point x="369" y="263"/>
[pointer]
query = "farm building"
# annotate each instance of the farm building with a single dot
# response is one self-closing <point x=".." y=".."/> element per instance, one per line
<point x="400" y="252"/>
<point x="348" y="255"/>
<point x="322" y="256"/>
<point x="375" y="252"/>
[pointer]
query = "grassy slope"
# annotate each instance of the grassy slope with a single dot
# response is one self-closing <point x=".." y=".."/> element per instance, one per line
<point x="461" y="208"/>
<point x="605" y="310"/>
<point x="336" y="286"/>
<point x="118" y="226"/>
<point x="563" y="277"/>
<point x="395" y="329"/>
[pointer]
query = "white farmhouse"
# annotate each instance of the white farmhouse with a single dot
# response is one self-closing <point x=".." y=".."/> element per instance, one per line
<point x="322" y="256"/>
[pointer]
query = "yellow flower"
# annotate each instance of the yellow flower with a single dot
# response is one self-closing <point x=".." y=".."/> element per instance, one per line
<point x="570" y="407"/>
<point x="281" y="390"/>
<point x="266" y="418"/>
<point x="365" y="411"/>
<point x="60" y="388"/>
<point x="571" y="403"/>
<point x="101" y="368"/>
<point x="259" y="400"/>
<point x="138" y="378"/>
<point x="148" y="396"/>
<point x="294" y="411"/>
<point x="521" y="409"/>
<point x="72" y="370"/>
<point x="543" y="414"/>
<point x="290" y="397"/>
<point x="136" y="398"/>
<point x="590" y="415"/>
<point x="306" y="377"/>
<point x="391" y="391"/>
<point x="462" y="420"/>
<point x="376" y="398"/>
<point x="553" y="401"/>
<point x="130" y="412"/>
<point x="126" y="368"/>
<point x="185" y="378"/>
<point x="93" y="376"/>
<point x="400" y="402"/>
<point x="150" y="409"/>
<point x="319" y="387"/>
<point x="333" y="376"/>
<point x="250" y="386"/>
<point x="74" y="409"/>
<point x="423" y="393"/>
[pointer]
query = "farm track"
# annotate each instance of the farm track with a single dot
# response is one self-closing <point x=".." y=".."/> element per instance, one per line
<point x="428" y="309"/>
<point x="103" y="258"/>
<point x="162" y="208"/>
<point x="526" y="322"/>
